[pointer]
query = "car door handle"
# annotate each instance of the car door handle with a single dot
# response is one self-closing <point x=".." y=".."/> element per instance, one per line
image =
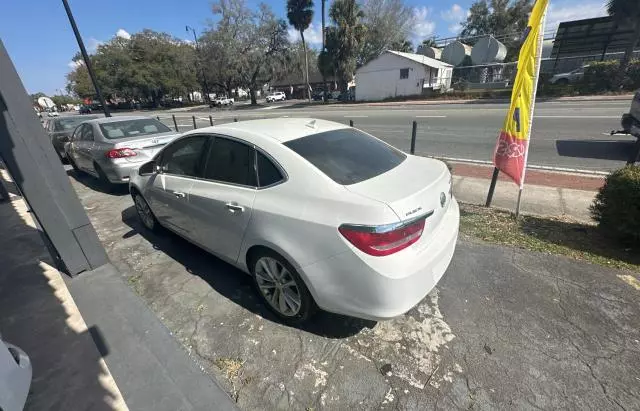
<point x="178" y="194"/>
<point x="234" y="207"/>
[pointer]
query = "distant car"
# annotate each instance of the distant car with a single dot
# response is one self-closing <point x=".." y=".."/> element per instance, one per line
<point x="276" y="96"/>
<point x="222" y="101"/>
<point x="60" y="130"/>
<point x="320" y="214"/>
<point x="53" y="113"/>
<point x="571" y="77"/>
<point x="85" y="109"/>
<point x="15" y="376"/>
<point x="108" y="148"/>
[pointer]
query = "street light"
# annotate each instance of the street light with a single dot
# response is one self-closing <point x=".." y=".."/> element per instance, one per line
<point x="205" y="87"/>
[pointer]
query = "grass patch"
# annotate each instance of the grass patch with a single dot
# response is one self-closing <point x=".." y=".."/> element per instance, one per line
<point x="550" y="235"/>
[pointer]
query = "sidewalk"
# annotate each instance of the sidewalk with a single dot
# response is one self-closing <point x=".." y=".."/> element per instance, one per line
<point x="545" y="193"/>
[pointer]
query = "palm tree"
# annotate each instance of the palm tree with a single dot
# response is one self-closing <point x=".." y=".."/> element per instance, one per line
<point x="347" y="18"/>
<point x="626" y="12"/>
<point x="300" y="14"/>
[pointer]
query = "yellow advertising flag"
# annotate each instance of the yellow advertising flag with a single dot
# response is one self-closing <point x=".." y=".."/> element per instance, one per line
<point x="510" y="155"/>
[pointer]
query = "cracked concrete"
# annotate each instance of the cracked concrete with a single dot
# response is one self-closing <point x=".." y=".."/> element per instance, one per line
<point x="504" y="329"/>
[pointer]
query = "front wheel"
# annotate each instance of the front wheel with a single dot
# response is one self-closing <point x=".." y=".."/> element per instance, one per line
<point x="145" y="214"/>
<point x="280" y="286"/>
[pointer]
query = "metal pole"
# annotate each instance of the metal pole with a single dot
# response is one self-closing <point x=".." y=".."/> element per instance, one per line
<point x="235" y="119"/>
<point x="413" y="137"/>
<point x="210" y="120"/>
<point x="158" y="117"/>
<point x="85" y="56"/>
<point x="194" y="122"/>
<point x="175" y="123"/>
<point x="350" y="123"/>
<point x="518" y="204"/>
<point x="205" y="86"/>
<point x="492" y="187"/>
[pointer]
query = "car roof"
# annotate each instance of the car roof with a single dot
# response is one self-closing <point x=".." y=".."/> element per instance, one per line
<point x="279" y="129"/>
<point x="103" y="120"/>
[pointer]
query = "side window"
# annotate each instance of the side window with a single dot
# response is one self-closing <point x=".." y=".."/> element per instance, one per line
<point x="183" y="158"/>
<point x="404" y="73"/>
<point x="76" y="133"/>
<point x="230" y="161"/>
<point x="87" y="133"/>
<point x="268" y="173"/>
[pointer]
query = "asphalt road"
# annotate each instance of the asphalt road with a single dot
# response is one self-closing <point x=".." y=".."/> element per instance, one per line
<point x="565" y="134"/>
<point x="504" y="329"/>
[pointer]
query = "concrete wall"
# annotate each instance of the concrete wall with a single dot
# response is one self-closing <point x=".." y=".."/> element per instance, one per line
<point x="380" y="78"/>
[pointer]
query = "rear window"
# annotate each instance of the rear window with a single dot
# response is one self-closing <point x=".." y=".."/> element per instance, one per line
<point x="347" y="156"/>
<point x="132" y="128"/>
<point x="70" y="123"/>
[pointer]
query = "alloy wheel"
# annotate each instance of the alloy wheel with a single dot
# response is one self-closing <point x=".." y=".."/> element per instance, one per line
<point x="278" y="286"/>
<point x="144" y="212"/>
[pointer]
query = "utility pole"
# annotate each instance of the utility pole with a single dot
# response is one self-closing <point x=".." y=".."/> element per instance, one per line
<point x="205" y="87"/>
<point x="324" y="49"/>
<point x="85" y="56"/>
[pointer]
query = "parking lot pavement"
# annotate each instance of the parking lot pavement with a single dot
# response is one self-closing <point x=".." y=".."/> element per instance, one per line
<point x="504" y="329"/>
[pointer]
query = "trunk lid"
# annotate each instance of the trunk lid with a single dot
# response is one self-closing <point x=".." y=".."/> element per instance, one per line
<point x="145" y="147"/>
<point x="413" y="188"/>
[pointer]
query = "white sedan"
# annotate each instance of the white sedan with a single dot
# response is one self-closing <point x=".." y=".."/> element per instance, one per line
<point x="318" y="213"/>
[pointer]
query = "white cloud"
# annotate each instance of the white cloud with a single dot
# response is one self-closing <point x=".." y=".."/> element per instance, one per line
<point x="123" y="34"/>
<point x="423" y="27"/>
<point x="573" y="10"/>
<point x="92" y="44"/>
<point x="75" y="64"/>
<point x="454" y="16"/>
<point x="312" y="35"/>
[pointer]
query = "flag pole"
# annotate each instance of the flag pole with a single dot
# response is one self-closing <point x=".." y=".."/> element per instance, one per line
<point x="533" y="105"/>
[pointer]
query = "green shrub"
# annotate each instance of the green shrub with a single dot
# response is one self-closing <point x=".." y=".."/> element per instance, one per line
<point x="617" y="205"/>
<point x="600" y="75"/>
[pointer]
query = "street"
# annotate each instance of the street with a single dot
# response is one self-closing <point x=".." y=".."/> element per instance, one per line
<point x="566" y="134"/>
<point x="504" y="329"/>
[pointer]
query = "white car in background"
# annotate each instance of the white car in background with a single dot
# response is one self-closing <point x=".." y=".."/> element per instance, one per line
<point x="566" y="78"/>
<point x="318" y="213"/>
<point x="223" y="101"/>
<point x="276" y="96"/>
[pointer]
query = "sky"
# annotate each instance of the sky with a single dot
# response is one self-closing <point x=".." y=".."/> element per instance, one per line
<point x="41" y="44"/>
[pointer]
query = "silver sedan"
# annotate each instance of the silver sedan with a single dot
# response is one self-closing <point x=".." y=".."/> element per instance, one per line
<point x="109" y="148"/>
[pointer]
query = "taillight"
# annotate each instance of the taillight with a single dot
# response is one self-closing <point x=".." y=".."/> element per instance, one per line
<point x="381" y="241"/>
<point x="121" y="153"/>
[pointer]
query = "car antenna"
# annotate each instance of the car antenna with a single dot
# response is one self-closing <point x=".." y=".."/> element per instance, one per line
<point x="312" y="124"/>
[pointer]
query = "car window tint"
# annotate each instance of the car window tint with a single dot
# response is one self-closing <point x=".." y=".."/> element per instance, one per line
<point x="87" y="133"/>
<point x="347" y="156"/>
<point x="183" y="157"/>
<point x="268" y="173"/>
<point x="230" y="161"/>
<point x="132" y="128"/>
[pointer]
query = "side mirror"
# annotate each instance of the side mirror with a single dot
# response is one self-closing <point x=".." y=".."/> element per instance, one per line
<point x="148" y="168"/>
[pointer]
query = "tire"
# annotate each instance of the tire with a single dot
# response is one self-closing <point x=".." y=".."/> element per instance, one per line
<point x="296" y="299"/>
<point x="562" y="82"/>
<point x="104" y="180"/>
<point x="145" y="215"/>
<point x="73" y="164"/>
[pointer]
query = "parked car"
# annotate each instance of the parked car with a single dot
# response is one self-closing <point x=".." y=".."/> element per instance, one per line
<point x="108" y="148"/>
<point x="15" y="376"/>
<point x="318" y="213"/>
<point x="276" y="96"/>
<point x="571" y="77"/>
<point x="222" y="101"/>
<point x="84" y="109"/>
<point x="60" y="130"/>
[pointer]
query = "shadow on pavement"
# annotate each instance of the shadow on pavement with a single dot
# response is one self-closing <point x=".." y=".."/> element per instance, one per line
<point x="232" y="283"/>
<point x="39" y="316"/>
<point x="619" y="150"/>
<point x="96" y="185"/>
<point x="579" y="237"/>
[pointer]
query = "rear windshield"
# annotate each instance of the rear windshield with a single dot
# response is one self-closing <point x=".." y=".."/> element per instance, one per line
<point x="347" y="156"/>
<point x="132" y="128"/>
<point x="70" y="123"/>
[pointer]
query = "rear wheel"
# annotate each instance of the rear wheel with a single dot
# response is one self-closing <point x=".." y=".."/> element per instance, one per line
<point x="280" y="286"/>
<point x="104" y="180"/>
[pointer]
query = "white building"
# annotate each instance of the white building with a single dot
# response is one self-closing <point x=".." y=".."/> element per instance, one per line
<point x="394" y="74"/>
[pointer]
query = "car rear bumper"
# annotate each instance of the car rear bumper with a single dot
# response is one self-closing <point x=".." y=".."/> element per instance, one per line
<point x="345" y="284"/>
<point x="118" y="173"/>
